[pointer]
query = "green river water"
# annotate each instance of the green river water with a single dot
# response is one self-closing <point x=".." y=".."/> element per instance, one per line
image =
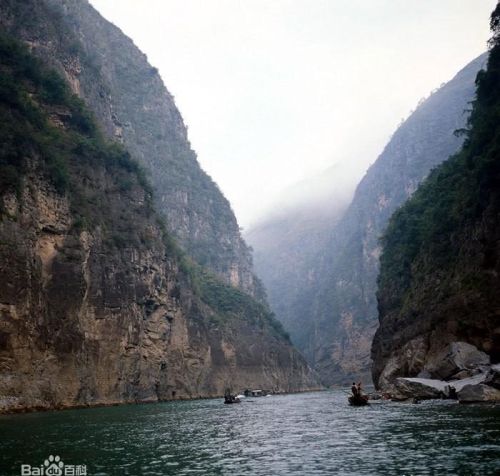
<point x="301" y="434"/>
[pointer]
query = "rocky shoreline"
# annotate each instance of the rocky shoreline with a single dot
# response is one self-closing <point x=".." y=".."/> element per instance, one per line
<point x="459" y="372"/>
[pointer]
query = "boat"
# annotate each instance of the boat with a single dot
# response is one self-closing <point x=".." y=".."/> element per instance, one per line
<point x="358" y="400"/>
<point x="231" y="399"/>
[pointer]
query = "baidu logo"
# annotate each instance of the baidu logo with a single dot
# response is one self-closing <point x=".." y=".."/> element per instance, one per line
<point x="53" y="466"/>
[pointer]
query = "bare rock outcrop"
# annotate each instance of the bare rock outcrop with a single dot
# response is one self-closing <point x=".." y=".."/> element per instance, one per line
<point x="479" y="393"/>
<point x="482" y="387"/>
<point x="455" y="358"/>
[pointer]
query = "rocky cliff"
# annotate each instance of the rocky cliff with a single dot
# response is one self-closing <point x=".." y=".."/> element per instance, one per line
<point x="131" y="103"/>
<point x="439" y="278"/>
<point x="345" y="326"/>
<point x="98" y="305"/>
<point x="332" y="313"/>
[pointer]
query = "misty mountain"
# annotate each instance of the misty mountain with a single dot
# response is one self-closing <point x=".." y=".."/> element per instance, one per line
<point x="438" y="283"/>
<point x="328" y="301"/>
<point x="287" y="241"/>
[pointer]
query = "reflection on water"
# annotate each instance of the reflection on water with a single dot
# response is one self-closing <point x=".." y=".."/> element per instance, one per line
<point x="305" y="434"/>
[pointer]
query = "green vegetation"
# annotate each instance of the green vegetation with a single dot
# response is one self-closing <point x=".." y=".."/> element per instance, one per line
<point x="426" y="234"/>
<point x="41" y="118"/>
<point x="228" y="303"/>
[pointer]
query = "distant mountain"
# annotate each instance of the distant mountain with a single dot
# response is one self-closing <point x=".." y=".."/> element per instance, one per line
<point x="286" y="243"/>
<point x="440" y="267"/>
<point x="329" y="305"/>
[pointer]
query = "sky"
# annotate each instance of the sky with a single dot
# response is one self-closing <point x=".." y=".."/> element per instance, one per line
<point x="274" y="92"/>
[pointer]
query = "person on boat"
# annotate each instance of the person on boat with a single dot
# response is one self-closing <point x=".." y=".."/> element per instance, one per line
<point x="359" y="390"/>
<point x="229" y="397"/>
<point x="354" y="389"/>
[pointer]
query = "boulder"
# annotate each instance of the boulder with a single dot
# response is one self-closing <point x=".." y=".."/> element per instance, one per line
<point x="465" y="374"/>
<point x="478" y="393"/>
<point x="425" y="388"/>
<point x="420" y="388"/>
<point x="424" y="374"/>
<point x="493" y="377"/>
<point x="455" y="358"/>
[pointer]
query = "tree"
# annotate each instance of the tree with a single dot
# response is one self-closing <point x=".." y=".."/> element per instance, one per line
<point x="495" y="27"/>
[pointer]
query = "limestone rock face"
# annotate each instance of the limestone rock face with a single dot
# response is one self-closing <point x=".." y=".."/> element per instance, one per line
<point x="129" y="99"/>
<point x="418" y="388"/>
<point x="97" y="304"/>
<point x="411" y="357"/>
<point x="83" y="323"/>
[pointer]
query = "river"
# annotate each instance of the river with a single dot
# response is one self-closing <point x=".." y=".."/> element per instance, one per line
<point x="302" y="434"/>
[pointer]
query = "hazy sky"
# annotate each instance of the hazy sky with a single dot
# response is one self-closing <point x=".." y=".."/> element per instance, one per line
<point x="275" y="91"/>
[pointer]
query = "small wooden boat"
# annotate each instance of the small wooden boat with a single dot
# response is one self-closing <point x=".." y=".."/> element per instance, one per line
<point x="231" y="399"/>
<point x="358" y="400"/>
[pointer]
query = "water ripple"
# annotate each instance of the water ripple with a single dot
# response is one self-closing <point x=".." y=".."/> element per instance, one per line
<point x="308" y="434"/>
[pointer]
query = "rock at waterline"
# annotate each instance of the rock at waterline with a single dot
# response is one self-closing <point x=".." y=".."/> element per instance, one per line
<point x="418" y="388"/>
<point x="424" y="388"/>
<point x="493" y="377"/>
<point x="478" y="393"/>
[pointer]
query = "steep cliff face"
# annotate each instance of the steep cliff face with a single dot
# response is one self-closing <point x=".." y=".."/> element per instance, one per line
<point x="97" y="304"/>
<point x="347" y="317"/>
<point x="440" y="267"/>
<point x="332" y="315"/>
<point x="129" y="99"/>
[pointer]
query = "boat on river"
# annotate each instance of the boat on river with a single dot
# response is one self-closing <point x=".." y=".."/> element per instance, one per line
<point x="358" y="400"/>
<point x="230" y="398"/>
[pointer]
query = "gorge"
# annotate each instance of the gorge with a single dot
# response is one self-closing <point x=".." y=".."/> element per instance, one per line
<point x="131" y="298"/>
<point x="125" y="273"/>
<point x="325" y="294"/>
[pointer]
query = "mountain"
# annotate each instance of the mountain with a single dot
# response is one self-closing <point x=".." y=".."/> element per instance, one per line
<point x="329" y="306"/>
<point x="130" y="101"/>
<point x="286" y="243"/>
<point x="440" y="266"/>
<point x="98" y="302"/>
